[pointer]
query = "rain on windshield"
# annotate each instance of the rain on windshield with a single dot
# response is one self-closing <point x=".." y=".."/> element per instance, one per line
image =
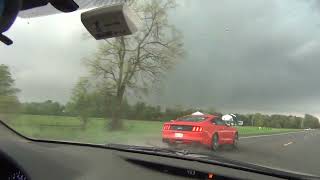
<point x="252" y="66"/>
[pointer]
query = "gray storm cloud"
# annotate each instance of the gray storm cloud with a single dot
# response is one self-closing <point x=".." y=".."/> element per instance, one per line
<point x="248" y="56"/>
<point x="252" y="55"/>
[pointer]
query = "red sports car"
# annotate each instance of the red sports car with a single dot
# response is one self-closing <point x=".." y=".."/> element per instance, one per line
<point x="206" y="129"/>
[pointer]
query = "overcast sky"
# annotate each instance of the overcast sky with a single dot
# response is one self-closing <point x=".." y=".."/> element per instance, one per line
<point x="243" y="56"/>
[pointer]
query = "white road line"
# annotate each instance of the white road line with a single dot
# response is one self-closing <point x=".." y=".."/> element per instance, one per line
<point x="287" y="144"/>
<point x="270" y="135"/>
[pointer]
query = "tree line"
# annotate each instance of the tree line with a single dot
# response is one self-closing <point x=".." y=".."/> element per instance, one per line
<point x="97" y="107"/>
<point x="279" y="121"/>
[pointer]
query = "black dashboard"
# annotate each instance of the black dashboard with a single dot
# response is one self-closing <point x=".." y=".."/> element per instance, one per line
<point x="9" y="170"/>
<point x="25" y="159"/>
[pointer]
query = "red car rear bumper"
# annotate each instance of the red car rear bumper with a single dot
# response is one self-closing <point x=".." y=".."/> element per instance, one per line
<point x="185" y="137"/>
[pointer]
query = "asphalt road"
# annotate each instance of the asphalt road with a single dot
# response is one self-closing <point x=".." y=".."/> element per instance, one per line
<point x="298" y="151"/>
<point x="295" y="151"/>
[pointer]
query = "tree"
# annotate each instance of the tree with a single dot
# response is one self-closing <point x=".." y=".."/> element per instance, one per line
<point x="138" y="110"/>
<point x="311" y="121"/>
<point x="135" y="62"/>
<point x="258" y="119"/>
<point x="8" y="100"/>
<point x="80" y="101"/>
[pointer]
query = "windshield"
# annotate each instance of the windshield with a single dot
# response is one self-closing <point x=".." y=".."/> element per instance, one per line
<point x="192" y="118"/>
<point x="58" y="83"/>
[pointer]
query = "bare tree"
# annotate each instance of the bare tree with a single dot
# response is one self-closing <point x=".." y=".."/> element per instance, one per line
<point x="139" y="60"/>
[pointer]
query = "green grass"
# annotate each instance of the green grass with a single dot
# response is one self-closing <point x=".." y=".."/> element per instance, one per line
<point x="251" y="131"/>
<point x="69" y="129"/>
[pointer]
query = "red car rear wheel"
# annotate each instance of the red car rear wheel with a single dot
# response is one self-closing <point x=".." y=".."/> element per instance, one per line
<point x="235" y="141"/>
<point x="215" y="142"/>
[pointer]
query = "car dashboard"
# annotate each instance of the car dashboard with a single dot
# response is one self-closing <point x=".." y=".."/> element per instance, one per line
<point x="9" y="170"/>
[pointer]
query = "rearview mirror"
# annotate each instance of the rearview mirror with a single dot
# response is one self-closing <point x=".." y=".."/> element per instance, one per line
<point x="110" y="21"/>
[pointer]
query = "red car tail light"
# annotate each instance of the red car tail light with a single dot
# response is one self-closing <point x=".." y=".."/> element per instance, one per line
<point x="197" y="129"/>
<point x="166" y="127"/>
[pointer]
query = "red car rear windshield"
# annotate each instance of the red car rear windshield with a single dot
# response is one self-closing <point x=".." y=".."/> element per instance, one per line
<point x="192" y="118"/>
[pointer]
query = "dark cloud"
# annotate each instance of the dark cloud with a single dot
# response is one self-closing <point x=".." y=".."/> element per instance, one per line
<point x="248" y="56"/>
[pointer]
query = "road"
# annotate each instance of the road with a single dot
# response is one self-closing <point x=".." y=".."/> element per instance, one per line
<point x="295" y="152"/>
<point x="298" y="151"/>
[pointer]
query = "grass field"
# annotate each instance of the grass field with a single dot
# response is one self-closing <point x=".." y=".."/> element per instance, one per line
<point x="69" y="129"/>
